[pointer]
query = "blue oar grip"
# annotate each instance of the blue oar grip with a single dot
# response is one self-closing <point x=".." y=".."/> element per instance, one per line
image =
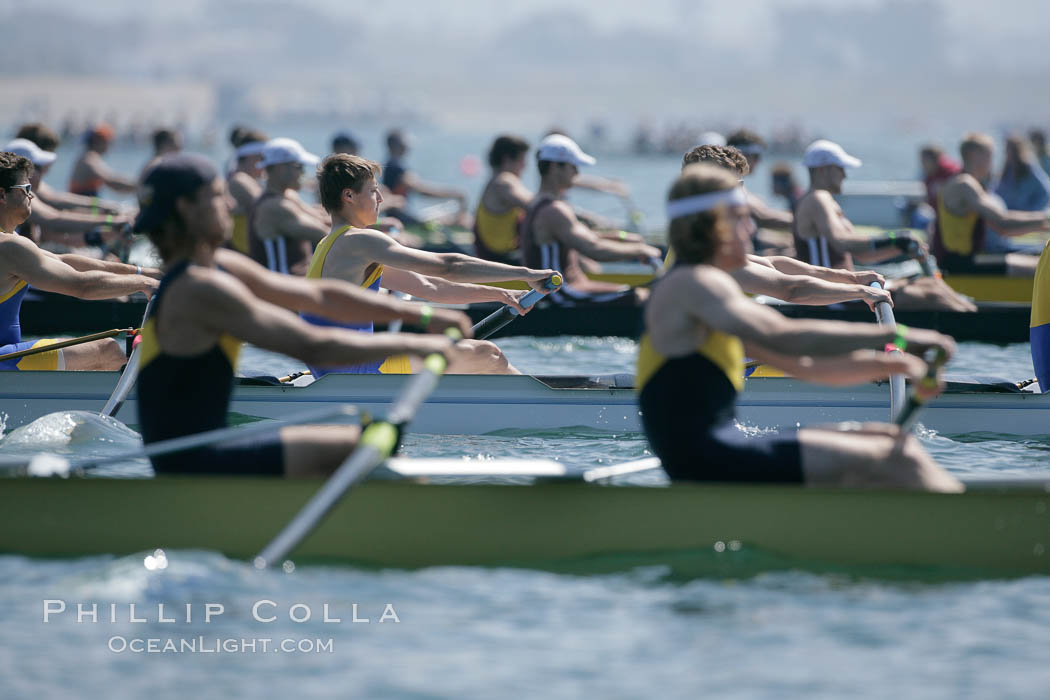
<point x="530" y="299"/>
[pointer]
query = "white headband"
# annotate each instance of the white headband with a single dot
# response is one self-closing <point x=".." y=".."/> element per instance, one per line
<point x="750" y="149"/>
<point x="252" y="148"/>
<point x="704" y="202"/>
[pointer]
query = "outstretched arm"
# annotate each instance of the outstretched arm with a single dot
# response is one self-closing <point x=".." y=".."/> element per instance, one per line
<point x="841" y="370"/>
<point x="295" y="222"/>
<point x="754" y="278"/>
<point x="114" y="180"/>
<point x="455" y="267"/>
<point x="49" y="273"/>
<point x="791" y="266"/>
<point x="1009" y="223"/>
<point x="445" y="292"/>
<point x="562" y="223"/>
<point x="226" y="306"/>
<point x="330" y="298"/>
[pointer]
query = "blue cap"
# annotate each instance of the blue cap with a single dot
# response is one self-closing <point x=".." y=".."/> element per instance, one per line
<point x="171" y="177"/>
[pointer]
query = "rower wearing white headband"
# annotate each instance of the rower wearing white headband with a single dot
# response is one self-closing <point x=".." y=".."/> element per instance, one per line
<point x="691" y="363"/>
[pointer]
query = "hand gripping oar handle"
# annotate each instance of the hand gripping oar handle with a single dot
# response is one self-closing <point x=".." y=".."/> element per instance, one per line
<point x="65" y="343"/>
<point x="501" y="317"/>
<point x="923" y="258"/>
<point x="884" y="315"/>
<point x="909" y="415"/>
<point x="378" y="442"/>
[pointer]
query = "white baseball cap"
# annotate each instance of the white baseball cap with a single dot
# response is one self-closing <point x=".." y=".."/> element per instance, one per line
<point x="823" y="152"/>
<point x="28" y="149"/>
<point x="283" y="150"/>
<point x="561" y="149"/>
<point x="711" y="138"/>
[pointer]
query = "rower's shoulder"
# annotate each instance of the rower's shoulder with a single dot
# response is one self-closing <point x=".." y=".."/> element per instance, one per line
<point x="703" y="278"/>
<point x="962" y="182"/>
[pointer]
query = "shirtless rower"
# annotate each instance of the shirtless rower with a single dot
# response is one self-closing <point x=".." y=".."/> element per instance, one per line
<point x="212" y="299"/>
<point x="22" y="264"/>
<point x="244" y="182"/>
<point x="52" y="227"/>
<point x="165" y="142"/>
<point x="362" y="256"/>
<point x="282" y="228"/>
<point x="91" y="173"/>
<point x="552" y="236"/>
<point x="824" y="236"/>
<point x="964" y="209"/>
<point x="779" y="276"/>
<point x="699" y="324"/>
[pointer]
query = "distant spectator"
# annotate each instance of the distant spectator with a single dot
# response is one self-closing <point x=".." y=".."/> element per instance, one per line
<point x="1037" y="137"/>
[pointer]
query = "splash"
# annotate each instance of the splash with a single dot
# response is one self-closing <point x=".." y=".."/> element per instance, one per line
<point x="70" y="429"/>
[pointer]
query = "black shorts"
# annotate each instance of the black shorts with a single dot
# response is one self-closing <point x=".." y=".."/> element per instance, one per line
<point x="247" y="457"/>
<point x="728" y="454"/>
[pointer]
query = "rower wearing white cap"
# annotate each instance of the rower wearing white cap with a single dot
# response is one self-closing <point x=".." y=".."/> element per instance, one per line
<point x="46" y="224"/>
<point x="553" y="237"/>
<point x="282" y="228"/>
<point x="244" y="182"/>
<point x="824" y="236"/>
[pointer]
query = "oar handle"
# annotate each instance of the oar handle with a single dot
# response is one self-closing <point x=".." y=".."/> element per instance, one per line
<point x="884" y="315"/>
<point x="501" y="317"/>
<point x="909" y="415"/>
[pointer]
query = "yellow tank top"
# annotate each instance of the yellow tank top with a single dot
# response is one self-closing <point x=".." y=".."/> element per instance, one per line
<point x="725" y="351"/>
<point x="239" y="236"/>
<point x="956" y="231"/>
<point x="395" y="364"/>
<point x="498" y="232"/>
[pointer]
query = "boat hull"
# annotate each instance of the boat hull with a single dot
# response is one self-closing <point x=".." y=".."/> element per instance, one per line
<point x="698" y="529"/>
<point x="476" y="404"/>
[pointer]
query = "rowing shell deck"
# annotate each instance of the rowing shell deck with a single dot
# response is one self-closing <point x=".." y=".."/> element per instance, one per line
<point x="697" y="529"/>
<point x="477" y="404"/>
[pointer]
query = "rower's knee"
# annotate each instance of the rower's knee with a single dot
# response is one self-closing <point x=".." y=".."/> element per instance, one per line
<point x="490" y="357"/>
<point x="111" y="355"/>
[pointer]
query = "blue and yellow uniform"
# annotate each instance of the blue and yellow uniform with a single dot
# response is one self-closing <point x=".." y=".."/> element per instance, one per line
<point x="1039" y="331"/>
<point x="187" y="395"/>
<point x="397" y="364"/>
<point x="11" y="336"/>
<point x="689" y="415"/>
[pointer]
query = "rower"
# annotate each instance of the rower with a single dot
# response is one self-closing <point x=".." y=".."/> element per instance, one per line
<point x="965" y="209"/>
<point x="47" y="140"/>
<point x="402" y="182"/>
<point x="362" y="256"/>
<point x="59" y="230"/>
<point x="753" y="147"/>
<point x="212" y="299"/>
<point x="552" y="235"/>
<point x="501" y="207"/>
<point x="690" y="364"/>
<point x="282" y="228"/>
<point x="244" y="182"/>
<point x="22" y="264"/>
<point x="782" y="277"/>
<point x="165" y="142"/>
<point x="824" y="236"/>
<point x="91" y="173"/>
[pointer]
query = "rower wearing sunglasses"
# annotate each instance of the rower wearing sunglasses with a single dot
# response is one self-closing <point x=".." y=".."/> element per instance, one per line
<point x="23" y="264"/>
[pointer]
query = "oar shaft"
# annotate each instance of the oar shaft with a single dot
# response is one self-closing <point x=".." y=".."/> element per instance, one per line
<point x="65" y="343"/>
<point x="884" y="315"/>
<point x="128" y="376"/>
<point x="909" y="414"/>
<point x="501" y="317"/>
<point x="378" y="442"/>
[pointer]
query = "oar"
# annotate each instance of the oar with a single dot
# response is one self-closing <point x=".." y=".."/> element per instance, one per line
<point x="378" y="442"/>
<point x="128" y="376"/>
<point x="909" y="414"/>
<point x="884" y="315"/>
<point x="501" y="317"/>
<point x="46" y="464"/>
<point x="65" y="343"/>
<point x="923" y="258"/>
